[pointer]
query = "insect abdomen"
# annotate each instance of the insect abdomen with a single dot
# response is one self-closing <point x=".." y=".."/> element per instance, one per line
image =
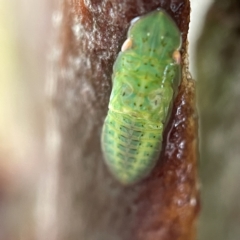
<point x="131" y="146"/>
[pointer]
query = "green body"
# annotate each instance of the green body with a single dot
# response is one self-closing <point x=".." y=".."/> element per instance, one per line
<point x="145" y="80"/>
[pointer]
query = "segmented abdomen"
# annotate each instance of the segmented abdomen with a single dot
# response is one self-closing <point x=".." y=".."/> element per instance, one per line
<point x="131" y="146"/>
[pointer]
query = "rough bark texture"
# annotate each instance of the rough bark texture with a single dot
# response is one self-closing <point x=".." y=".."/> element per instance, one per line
<point x="219" y="108"/>
<point x="89" y="204"/>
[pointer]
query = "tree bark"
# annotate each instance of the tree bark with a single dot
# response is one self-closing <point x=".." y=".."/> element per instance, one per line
<point x="87" y="202"/>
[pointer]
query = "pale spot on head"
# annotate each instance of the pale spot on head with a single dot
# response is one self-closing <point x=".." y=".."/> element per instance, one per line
<point x="127" y="44"/>
<point x="148" y="34"/>
<point x="177" y="56"/>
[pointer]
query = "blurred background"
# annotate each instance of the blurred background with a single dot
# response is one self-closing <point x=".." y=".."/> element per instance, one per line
<point x="25" y="30"/>
<point x="25" y="39"/>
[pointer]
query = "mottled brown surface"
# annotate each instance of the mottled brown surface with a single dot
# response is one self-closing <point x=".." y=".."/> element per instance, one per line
<point x="91" y="205"/>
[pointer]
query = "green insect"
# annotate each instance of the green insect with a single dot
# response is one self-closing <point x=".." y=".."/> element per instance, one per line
<point x="145" y="80"/>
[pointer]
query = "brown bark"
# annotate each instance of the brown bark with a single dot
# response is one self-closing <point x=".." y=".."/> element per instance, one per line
<point x="90" y="204"/>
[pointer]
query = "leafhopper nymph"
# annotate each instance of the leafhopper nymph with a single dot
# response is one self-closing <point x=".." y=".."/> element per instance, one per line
<point x="146" y="76"/>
